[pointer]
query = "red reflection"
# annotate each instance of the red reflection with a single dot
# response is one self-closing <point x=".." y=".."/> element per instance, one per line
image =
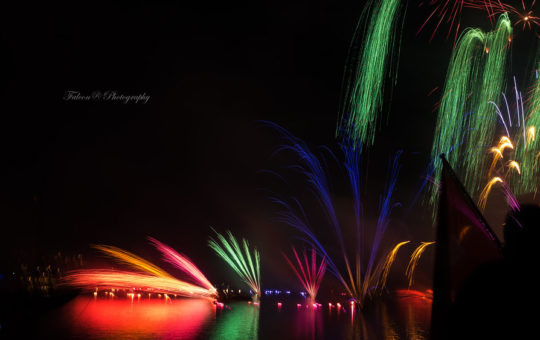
<point x="415" y="303"/>
<point x="118" y="318"/>
<point x="309" y="323"/>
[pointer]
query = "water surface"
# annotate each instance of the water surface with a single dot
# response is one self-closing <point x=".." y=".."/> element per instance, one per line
<point x="405" y="316"/>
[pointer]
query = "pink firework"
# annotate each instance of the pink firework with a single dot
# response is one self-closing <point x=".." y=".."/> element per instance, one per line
<point x="310" y="276"/>
<point x="182" y="263"/>
<point x="147" y="276"/>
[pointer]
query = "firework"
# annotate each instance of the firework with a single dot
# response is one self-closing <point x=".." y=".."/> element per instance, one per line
<point x="466" y="120"/>
<point x="524" y="14"/>
<point x="182" y="263"/>
<point x="415" y="257"/>
<point x="485" y="193"/>
<point x="449" y="12"/>
<point x="131" y="260"/>
<point x="113" y="279"/>
<point x="445" y="9"/>
<point x="309" y="276"/>
<point x="385" y="266"/>
<point x="527" y="153"/>
<point x="483" y="126"/>
<point x="364" y="274"/>
<point x="514" y="165"/>
<point x="152" y="279"/>
<point x="366" y="73"/>
<point x="515" y="154"/>
<point x="246" y="265"/>
<point x="449" y="130"/>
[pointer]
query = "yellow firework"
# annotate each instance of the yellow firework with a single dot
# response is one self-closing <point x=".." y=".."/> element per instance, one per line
<point x="485" y="193"/>
<point x="415" y="257"/>
<point x="132" y="260"/>
<point x="514" y="165"/>
<point x="384" y="267"/>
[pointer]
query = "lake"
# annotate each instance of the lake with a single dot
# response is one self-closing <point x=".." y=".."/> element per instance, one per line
<point x="404" y="315"/>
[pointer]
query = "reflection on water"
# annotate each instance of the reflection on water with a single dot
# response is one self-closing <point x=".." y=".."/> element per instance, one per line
<point x="406" y="316"/>
<point x="415" y="309"/>
<point x="240" y="322"/>
<point x="87" y="317"/>
<point x="308" y="323"/>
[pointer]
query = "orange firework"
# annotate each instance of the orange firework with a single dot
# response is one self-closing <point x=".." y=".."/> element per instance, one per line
<point x="152" y="277"/>
<point x="415" y="257"/>
<point x="485" y="193"/>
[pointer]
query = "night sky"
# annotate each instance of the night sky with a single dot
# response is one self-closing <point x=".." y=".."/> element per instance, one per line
<point x="75" y="173"/>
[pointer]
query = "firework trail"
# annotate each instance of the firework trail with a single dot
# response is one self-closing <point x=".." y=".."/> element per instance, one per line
<point x="510" y="198"/>
<point x="483" y="126"/>
<point x="485" y="193"/>
<point x="415" y="257"/>
<point x="515" y="154"/>
<point x="449" y="12"/>
<point x="366" y="73"/>
<point x="152" y="277"/>
<point x="467" y="119"/>
<point x="96" y="278"/>
<point x="368" y="274"/>
<point x="131" y="260"/>
<point x="527" y="153"/>
<point x="463" y="66"/>
<point x="310" y="276"/>
<point x="524" y="14"/>
<point x="384" y="267"/>
<point x="182" y="263"/>
<point x="246" y="265"/>
<point x="514" y="165"/>
<point x="445" y="9"/>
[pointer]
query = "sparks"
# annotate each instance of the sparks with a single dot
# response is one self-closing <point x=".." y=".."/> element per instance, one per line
<point x="531" y="133"/>
<point x="385" y="266"/>
<point x="182" y="263"/>
<point x="362" y="275"/>
<point x="485" y="193"/>
<point x="415" y="257"/>
<point x="473" y="85"/>
<point x="246" y="265"/>
<point x="310" y="276"/>
<point x="364" y="82"/>
<point x="153" y="278"/>
<point x="114" y="279"/>
<point x="514" y="165"/>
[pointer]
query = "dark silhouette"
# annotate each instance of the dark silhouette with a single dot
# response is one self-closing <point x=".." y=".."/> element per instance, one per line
<point x="500" y="299"/>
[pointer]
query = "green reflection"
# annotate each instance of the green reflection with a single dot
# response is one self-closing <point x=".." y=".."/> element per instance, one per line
<point x="240" y="322"/>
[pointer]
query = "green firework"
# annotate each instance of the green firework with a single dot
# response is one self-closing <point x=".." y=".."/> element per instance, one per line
<point x="466" y="120"/>
<point x="527" y="152"/>
<point x="366" y="73"/>
<point x="240" y="259"/>
<point x="484" y="122"/>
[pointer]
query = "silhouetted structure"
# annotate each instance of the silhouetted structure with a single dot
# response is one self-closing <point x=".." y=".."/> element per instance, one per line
<point x="478" y="293"/>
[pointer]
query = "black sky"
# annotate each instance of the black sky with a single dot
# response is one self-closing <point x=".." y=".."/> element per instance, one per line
<point x="80" y="173"/>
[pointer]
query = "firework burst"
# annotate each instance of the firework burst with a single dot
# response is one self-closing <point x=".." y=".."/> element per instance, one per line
<point x="524" y="15"/>
<point x="148" y="277"/>
<point x="310" y="276"/>
<point x="364" y="274"/>
<point x="367" y="69"/>
<point x="514" y="156"/>
<point x="245" y="262"/>
<point x="466" y="120"/>
<point x="413" y="262"/>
